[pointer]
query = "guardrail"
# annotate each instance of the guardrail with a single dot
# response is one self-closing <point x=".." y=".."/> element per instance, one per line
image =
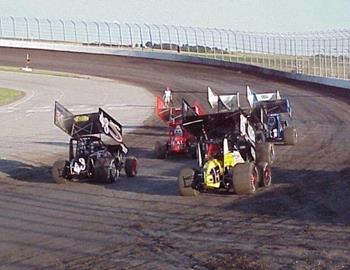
<point x="322" y="54"/>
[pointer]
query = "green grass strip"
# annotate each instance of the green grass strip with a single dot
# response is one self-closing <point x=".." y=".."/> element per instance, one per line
<point x="9" y="95"/>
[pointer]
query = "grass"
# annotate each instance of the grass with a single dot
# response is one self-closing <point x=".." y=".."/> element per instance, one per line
<point x="41" y="72"/>
<point x="9" y="95"/>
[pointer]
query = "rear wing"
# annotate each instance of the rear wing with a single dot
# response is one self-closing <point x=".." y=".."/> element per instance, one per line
<point x="162" y="111"/>
<point x="254" y="98"/>
<point x="272" y="102"/>
<point x="172" y="113"/>
<point x="87" y="124"/>
<point x="220" y="125"/>
<point x="223" y="102"/>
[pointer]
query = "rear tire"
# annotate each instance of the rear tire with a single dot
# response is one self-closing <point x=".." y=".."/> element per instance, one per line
<point x="265" y="175"/>
<point x="245" y="178"/>
<point x="290" y="136"/>
<point x="264" y="152"/>
<point x="131" y="166"/>
<point x="159" y="150"/>
<point x="185" y="181"/>
<point x="58" y="172"/>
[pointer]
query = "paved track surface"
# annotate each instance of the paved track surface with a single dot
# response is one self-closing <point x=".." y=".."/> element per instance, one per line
<point x="301" y="222"/>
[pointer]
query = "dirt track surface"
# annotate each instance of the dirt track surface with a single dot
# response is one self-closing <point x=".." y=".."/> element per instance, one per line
<point x="301" y="222"/>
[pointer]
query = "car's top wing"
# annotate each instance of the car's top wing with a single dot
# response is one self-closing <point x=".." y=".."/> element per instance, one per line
<point x="272" y="102"/>
<point x="87" y="124"/>
<point x="215" y="125"/>
<point x="223" y="102"/>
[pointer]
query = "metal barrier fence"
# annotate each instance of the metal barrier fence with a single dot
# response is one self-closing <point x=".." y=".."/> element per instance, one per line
<point x="325" y="54"/>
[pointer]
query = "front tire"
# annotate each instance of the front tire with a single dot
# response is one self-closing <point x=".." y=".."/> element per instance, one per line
<point x="264" y="152"/>
<point x="58" y="171"/>
<point x="185" y="181"/>
<point x="265" y="176"/>
<point x="245" y="178"/>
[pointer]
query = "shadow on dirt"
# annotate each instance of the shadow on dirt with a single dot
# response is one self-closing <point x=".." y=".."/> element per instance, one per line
<point x="21" y="171"/>
<point x="62" y="144"/>
<point x="316" y="196"/>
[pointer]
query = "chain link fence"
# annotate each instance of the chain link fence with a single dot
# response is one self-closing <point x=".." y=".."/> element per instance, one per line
<point x="325" y="54"/>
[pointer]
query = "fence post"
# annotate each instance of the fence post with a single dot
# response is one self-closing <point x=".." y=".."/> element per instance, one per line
<point x="195" y="37"/>
<point x="205" y="43"/>
<point x="64" y="30"/>
<point x="228" y="43"/>
<point x="38" y="26"/>
<point x="98" y="33"/>
<point x="50" y="25"/>
<point x="220" y="38"/>
<point x="120" y="33"/>
<point x="109" y="33"/>
<point x="150" y="35"/>
<point x="262" y="51"/>
<point x="27" y="27"/>
<point x="75" y="31"/>
<point x="140" y="30"/>
<point x="343" y="56"/>
<point x="337" y="55"/>
<point x="178" y="37"/>
<point x="236" y="45"/>
<point x="13" y="26"/>
<point x="188" y="45"/>
<point x="285" y="54"/>
<point x="159" y="35"/>
<point x="325" y="58"/>
<point x="170" y="43"/>
<point x="250" y="48"/>
<point x="86" y="32"/>
<point x="213" y="41"/>
<point x="130" y="35"/>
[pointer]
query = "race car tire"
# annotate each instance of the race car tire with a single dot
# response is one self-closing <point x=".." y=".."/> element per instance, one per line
<point x="131" y="166"/>
<point x="185" y="180"/>
<point x="245" y="178"/>
<point x="58" y="171"/>
<point x="113" y="172"/>
<point x="265" y="175"/>
<point x="290" y="136"/>
<point x="264" y="152"/>
<point x="159" y="150"/>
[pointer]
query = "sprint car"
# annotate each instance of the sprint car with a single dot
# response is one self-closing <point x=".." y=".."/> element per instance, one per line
<point x="180" y="140"/>
<point x="96" y="148"/>
<point x="227" y="155"/>
<point x="274" y="113"/>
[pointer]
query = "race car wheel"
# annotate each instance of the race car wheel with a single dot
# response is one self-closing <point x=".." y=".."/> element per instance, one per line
<point x="58" y="171"/>
<point x="113" y="172"/>
<point x="131" y="167"/>
<point x="264" y="152"/>
<point x="265" y="175"/>
<point x="185" y="181"/>
<point x="245" y="178"/>
<point x="159" y="150"/>
<point x="290" y="136"/>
